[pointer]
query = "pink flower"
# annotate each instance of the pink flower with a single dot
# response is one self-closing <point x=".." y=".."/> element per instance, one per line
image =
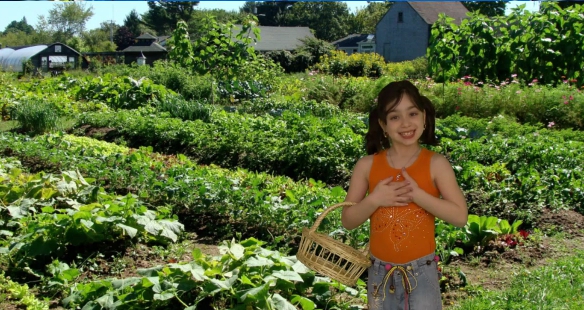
<point x="467" y="83"/>
<point x="571" y="97"/>
<point x="513" y="75"/>
<point x="428" y="78"/>
<point x="566" y="102"/>
<point x="518" y="92"/>
<point x="534" y="81"/>
<point x="480" y="83"/>
<point x="551" y="124"/>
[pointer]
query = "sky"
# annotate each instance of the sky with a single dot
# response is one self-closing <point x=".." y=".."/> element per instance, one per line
<point x="118" y="10"/>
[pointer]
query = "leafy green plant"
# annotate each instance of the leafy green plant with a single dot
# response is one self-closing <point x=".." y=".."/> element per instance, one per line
<point x="245" y="276"/>
<point x="482" y="229"/>
<point x="36" y="116"/>
<point x="184" y="109"/>
<point x="20" y="294"/>
<point x="542" y="45"/>
<point x="48" y="213"/>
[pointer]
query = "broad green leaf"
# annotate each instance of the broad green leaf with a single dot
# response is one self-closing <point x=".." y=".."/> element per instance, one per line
<point x="287" y="275"/>
<point x="197" y="254"/>
<point x="515" y="226"/>
<point x="123" y="283"/>
<point x="237" y="250"/>
<point x="504" y="227"/>
<point x="256" y="293"/>
<point x="106" y="301"/>
<point x="300" y="267"/>
<point x="258" y="261"/>
<point x="131" y="231"/>
<point x="47" y="209"/>
<point x="304" y="302"/>
<point x="164" y="296"/>
<point x="281" y="303"/>
<point x="245" y="280"/>
<point x="87" y="223"/>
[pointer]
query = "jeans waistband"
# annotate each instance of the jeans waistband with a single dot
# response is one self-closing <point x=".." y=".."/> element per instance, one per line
<point x="424" y="260"/>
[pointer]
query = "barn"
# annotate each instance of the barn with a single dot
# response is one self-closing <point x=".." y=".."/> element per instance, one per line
<point x="53" y="57"/>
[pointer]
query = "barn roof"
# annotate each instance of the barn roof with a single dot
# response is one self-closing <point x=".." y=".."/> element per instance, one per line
<point x="429" y="10"/>
<point x="279" y="38"/>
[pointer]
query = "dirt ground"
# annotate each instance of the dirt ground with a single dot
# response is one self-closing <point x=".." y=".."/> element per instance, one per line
<point x="495" y="271"/>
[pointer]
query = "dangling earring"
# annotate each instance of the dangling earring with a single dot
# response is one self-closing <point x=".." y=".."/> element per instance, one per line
<point x="385" y="134"/>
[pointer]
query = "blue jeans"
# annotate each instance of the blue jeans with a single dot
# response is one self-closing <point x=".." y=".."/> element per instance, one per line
<point x="411" y="286"/>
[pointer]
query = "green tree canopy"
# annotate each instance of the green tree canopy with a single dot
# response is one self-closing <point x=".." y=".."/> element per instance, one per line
<point x="22" y="25"/>
<point x="488" y="8"/>
<point x="365" y="19"/>
<point x="329" y="20"/>
<point x="133" y="23"/>
<point x="123" y="38"/>
<point x="162" y="16"/>
<point x="68" y="19"/>
<point x="269" y="13"/>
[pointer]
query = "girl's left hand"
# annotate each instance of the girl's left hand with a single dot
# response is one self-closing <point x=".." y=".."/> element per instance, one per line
<point x="413" y="185"/>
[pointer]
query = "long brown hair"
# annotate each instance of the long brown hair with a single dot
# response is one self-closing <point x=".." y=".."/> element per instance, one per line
<point x="388" y="98"/>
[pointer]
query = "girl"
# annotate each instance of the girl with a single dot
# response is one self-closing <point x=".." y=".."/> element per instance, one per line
<point x="404" y="183"/>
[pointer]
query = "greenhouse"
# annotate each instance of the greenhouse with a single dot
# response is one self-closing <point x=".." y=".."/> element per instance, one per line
<point x="56" y="56"/>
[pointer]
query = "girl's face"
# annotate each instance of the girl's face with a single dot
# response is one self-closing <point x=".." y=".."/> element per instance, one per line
<point x="404" y="123"/>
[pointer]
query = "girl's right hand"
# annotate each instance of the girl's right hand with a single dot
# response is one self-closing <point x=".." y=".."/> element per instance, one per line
<point x="392" y="194"/>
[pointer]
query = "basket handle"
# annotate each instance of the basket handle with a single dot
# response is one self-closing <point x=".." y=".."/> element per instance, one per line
<point x="329" y="209"/>
<point x="326" y="211"/>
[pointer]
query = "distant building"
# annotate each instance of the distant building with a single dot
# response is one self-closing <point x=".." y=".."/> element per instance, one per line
<point x="279" y="38"/>
<point x="56" y="56"/>
<point x="403" y="33"/>
<point x="356" y="43"/>
<point x="146" y="45"/>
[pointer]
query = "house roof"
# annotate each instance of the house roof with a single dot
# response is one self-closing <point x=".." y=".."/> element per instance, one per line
<point x="351" y="40"/>
<point x="279" y="38"/>
<point x="429" y="10"/>
<point x="154" y="47"/>
<point x="146" y="36"/>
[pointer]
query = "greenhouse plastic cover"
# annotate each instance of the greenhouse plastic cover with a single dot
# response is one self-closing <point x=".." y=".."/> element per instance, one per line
<point x="11" y="60"/>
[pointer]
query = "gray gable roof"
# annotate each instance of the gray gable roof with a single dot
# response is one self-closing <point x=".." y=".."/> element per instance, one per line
<point x="146" y="36"/>
<point x="350" y="40"/>
<point x="429" y="10"/>
<point x="279" y="38"/>
<point x="154" y="47"/>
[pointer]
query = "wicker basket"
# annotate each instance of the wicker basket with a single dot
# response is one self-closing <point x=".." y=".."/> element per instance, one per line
<point x="330" y="257"/>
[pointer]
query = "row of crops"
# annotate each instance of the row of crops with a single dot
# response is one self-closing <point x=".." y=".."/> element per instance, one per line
<point x="163" y="169"/>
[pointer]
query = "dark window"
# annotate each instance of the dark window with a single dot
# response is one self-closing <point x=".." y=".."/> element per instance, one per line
<point x="400" y="17"/>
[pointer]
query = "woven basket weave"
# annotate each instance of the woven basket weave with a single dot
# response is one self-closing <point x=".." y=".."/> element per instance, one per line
<point x="330" y="257"/>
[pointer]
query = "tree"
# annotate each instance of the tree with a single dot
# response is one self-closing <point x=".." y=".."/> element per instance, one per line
<point x="328" y="20"/>
<point x="488" y="8"/>
<point x="123" y="38"/>
<point x="43" y="34"/>
<point x="133" y="23"/>
<point x="365" y="19"/>
<point x="69" y="18"/>
<point x="269" y="13"/>
<point x="22" y="25"/>
<point x="98" y="40"/>
<point x="197" y="24"/>
<point x="15" y="38"/>
<point x="566" y="4"/>
<point x="163" y="16"/>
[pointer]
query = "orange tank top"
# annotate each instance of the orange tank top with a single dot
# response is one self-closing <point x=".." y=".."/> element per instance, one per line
<point x="402" y="234"/>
